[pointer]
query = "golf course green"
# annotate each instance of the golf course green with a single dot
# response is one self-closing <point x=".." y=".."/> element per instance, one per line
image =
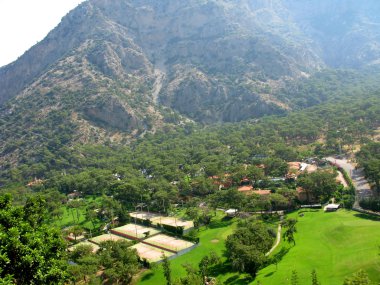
<point x="334" y="244"/>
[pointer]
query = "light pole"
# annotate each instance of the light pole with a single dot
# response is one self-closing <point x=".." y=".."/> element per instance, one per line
<point x="135" y="221"/>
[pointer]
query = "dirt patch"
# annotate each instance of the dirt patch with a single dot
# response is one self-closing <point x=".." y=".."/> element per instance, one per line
<point x="215" y="241"/>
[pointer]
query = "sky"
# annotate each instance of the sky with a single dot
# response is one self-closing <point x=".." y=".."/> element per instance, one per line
<point x="23" y="23"/>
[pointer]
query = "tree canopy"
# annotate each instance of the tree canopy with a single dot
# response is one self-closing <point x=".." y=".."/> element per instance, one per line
<point x="31" y="252"/>
<point x="247" y="246"/>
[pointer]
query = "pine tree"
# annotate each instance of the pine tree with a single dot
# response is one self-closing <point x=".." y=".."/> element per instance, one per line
<point x="314" y="278"/>
<point x="167" y="270"/>
<point x="294" y="279"/>
<point x="359" y="278"/>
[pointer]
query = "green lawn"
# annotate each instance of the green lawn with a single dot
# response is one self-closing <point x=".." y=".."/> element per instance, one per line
<point x="211" y="239"/>
<point x="70" y="217"/>
<point x="334" y="244"/>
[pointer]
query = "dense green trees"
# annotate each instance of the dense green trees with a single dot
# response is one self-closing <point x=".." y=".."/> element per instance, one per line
<point x="206" y="263"/>
<point x="84" y="264"/>
<point x="115" y="259"/>
<point x="194" y="276"/>
<point x="119" y="261"/>
<point x="369" y="159"/>
<point x="275" y="167"/>
<point x="320" y="184"/>
<point x="247" y="246"/>
<point x="172" y="153"/>
<point x="174" y="165"/>
<point x="372" y="203"/>
<point x="31" y="252"/>
<point x="291" y="229"/>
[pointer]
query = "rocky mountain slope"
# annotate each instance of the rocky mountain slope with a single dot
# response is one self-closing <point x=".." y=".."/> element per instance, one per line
<point x="112" y="70"/>
<point x="346" y="34"/>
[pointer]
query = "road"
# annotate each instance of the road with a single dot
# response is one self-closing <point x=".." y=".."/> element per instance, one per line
<point x="363" y="189"/>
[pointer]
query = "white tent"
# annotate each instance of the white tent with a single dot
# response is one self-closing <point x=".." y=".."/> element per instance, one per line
<point x="231" y="212"/>
<point x="331" y="207"/>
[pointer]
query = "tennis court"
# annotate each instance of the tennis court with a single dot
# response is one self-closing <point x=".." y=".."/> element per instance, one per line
<point x="169" y="242"/>
<point x="144" y="215"/>
<point x="150" y="253"/>
<point x="172" y="221"/>
<point x="108" y="237"/>
<point x="159" y="219"/>
<point x="133" y="231"/>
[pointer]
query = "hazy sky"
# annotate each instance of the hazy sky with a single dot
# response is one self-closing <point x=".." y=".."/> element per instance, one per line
<point x="25" y="22"/>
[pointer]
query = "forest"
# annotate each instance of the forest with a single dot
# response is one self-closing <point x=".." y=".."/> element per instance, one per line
<point x="178" y="168"/>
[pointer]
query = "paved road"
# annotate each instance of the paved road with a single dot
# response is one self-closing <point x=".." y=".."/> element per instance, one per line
<point x="363" y="190"/>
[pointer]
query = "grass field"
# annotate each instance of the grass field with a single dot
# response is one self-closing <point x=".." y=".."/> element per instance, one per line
<point x="334" y="244"/>
<point x="70" y="217"/>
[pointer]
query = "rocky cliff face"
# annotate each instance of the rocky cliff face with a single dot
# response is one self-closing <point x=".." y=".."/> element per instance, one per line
<point x="345" y="33"/>
<point x="216" y="56"/>
<point x="118" y="65"/>
<point x="185" y="43"/>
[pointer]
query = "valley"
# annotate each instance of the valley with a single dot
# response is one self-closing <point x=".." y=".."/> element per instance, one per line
<point x="132" y="120"/>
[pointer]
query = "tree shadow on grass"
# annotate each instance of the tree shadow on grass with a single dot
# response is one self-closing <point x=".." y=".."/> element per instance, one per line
<point x="221" y="224"/>
<point x="275" y="259"/>
<point x="238" y="279"/>
<point x="367" y="217"/>
<point x="225" y="268"/>
<point x="147" y="276"/>
<point x="221" y="268"/>
<point x="308" y="211"/>
<point x="269" y="274"/>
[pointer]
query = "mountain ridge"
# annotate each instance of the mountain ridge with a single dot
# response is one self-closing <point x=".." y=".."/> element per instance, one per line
<point x="115" y="70"/>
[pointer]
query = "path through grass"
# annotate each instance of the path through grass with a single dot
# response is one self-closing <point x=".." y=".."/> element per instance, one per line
<point x="334" y="244"/>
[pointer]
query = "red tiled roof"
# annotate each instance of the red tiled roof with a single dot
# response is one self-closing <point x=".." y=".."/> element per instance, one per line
<point x="262" y="192"/>
<point x="294" y="164"/>
<point x="214" y="177"/>
<point x="35" y="182"/>
<point x="300" y="190"/>
<point x="245" y="188"/>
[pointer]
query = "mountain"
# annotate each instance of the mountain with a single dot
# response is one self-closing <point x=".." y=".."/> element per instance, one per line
<point x="346" y="34"/>
<point x="201" y="54"/>
<point x="113" y="70"/>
